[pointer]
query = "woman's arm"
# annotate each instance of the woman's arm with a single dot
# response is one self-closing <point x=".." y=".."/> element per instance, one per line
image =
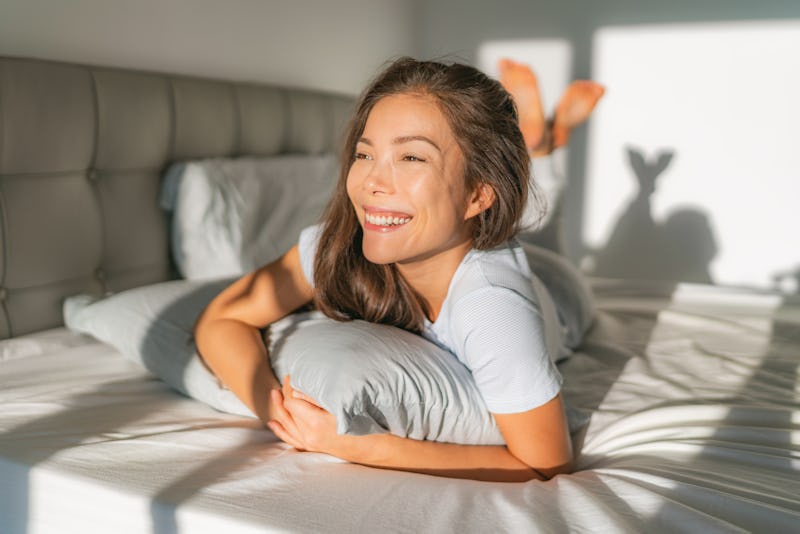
<point x="227" y="332"/>
<point x="538" y="443"/>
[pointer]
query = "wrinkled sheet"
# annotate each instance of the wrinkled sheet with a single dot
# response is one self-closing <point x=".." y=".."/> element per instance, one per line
<point x="695" y="426"/>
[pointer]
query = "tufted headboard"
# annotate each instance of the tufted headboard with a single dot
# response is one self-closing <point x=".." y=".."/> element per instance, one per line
<point x="82" y="150"/>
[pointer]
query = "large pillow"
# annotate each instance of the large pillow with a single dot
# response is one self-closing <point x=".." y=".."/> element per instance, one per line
<point x="374" y="378"/>
<point x="230" y="216"/>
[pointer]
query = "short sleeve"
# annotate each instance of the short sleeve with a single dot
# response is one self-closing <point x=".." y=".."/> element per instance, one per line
<point x="307" y="247"/>
<point x="504" y="345"/>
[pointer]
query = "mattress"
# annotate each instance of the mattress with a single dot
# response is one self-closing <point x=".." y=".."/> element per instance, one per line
<point x="692" y="393"/>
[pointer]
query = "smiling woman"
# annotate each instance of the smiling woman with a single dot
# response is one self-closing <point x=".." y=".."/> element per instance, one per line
<point x="411" y="178"/>
<point x="442" y="137"/>
<point x="418" y="235"/>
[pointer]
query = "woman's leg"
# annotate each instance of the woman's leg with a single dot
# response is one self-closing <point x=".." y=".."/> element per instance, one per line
<point x="568" y="288"/>
<point x="575" y="106"/>
<point x="520" y="81"/>
<point x="543" y="135"/>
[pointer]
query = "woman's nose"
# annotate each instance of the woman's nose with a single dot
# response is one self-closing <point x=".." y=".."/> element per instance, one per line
<point x="379" y="180"/>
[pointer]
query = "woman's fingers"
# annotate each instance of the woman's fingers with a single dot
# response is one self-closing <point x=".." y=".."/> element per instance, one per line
<point x="290" y="393"/>
<point x="284" y="436"/>
<point x="292" y="416"/>
<point x="302" y="409"/>
<point x="305" y="398"/>
<point x="299" y="421"/>
<point x="283" y="416"/>
<point x="287" y="388"/>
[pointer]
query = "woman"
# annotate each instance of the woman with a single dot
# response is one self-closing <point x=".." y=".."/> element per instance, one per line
<point x="417" y="235"/>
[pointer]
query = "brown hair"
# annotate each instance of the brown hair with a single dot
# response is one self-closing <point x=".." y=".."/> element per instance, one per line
<point x="483" y="119"/>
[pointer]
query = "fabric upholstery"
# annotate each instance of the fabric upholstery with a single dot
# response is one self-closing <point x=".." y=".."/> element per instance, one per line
<point x="205" y="119"/>
<point x="264" y="115"/>
<point x="134" y="113"/>
<point x="82" y="152"/>
<point x="48" y="118"/>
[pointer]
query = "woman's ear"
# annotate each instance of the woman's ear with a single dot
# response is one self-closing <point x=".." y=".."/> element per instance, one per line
<point x="481" y="199"/>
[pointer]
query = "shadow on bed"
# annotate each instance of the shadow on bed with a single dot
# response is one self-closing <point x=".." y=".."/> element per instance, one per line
<point x="84" y="420"/>
<point x="172" y="327"/>
<point x="165" y="504"/>
<point x="85" y="423"/>
<point x="736" y="448"/>
<point x="591" y="373"/>
<point x="85" y="428"/>
<point x="598" y="362"/>
<point x="763" y="406"/>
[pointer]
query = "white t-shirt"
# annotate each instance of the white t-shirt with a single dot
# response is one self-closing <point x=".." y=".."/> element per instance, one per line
<point x="498" y="320"/>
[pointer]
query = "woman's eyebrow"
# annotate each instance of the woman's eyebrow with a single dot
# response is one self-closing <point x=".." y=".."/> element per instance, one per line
<point x="405" y="139"/>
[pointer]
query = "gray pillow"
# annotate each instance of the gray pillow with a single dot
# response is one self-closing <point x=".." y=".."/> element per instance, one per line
<point x="373" y="378"/>
<point x="230" y="216"/>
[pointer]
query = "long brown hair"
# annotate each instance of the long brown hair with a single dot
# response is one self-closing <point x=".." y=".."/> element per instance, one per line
<point x="483" y="119"/>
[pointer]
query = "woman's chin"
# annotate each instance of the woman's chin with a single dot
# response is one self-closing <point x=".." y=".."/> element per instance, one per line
<point x="380" y="252"/>
<point x="380" y="257"/>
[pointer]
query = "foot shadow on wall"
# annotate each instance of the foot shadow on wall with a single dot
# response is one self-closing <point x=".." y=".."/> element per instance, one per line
<point x="680" y="248"/>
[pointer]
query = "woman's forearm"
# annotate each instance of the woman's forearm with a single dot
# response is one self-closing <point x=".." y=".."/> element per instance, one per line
<point x="476" y="462"/>
<point x="236" y="354"/>
<point x="303" y="424"/>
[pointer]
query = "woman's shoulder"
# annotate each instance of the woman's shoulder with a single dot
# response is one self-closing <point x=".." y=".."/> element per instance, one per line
<point x="310" y="234"/>
<point x="503" y="268"/>
<point x="307" y="248"/>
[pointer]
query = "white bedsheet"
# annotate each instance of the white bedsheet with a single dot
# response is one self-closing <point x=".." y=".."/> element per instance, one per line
<point x="695" y="427"/>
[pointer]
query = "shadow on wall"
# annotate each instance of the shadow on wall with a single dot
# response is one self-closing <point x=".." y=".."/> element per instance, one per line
<point x="679" y="249"/>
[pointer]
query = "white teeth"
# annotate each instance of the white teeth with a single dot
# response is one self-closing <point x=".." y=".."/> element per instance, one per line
<point x="383" y="220"/>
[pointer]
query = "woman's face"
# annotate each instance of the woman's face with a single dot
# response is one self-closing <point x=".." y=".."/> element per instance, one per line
<point x="406" y="183"/>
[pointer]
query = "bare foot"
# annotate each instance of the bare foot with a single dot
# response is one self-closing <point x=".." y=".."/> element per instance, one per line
<point x="575" y="106"/>
<point x="520" y="81"/>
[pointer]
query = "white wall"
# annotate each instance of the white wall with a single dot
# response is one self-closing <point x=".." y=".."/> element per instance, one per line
<point x="723" y="98"/>
<point x="336" y="45"/>
<point x="714" y="82"/>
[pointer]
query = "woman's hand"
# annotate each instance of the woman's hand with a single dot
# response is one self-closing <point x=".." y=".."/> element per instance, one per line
<point x="302" y="423"/>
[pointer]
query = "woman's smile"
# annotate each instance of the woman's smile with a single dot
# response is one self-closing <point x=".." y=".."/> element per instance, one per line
<point x="384" y="220"/>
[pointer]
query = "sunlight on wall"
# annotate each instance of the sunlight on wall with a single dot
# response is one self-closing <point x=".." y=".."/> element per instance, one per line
<point x="724" y="99"/>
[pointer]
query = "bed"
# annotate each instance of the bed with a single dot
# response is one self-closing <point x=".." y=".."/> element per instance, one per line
<point x="691" y="390"/>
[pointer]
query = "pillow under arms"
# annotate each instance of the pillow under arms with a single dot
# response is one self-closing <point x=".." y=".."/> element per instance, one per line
<point x="373" y="378"/>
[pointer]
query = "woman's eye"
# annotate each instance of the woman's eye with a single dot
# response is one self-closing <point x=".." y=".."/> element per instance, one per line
<point x="360" y="155"/>
<point x="412" y="157"/>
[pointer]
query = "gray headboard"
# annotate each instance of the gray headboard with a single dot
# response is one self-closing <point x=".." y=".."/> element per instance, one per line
<point x="82" y="150"/>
